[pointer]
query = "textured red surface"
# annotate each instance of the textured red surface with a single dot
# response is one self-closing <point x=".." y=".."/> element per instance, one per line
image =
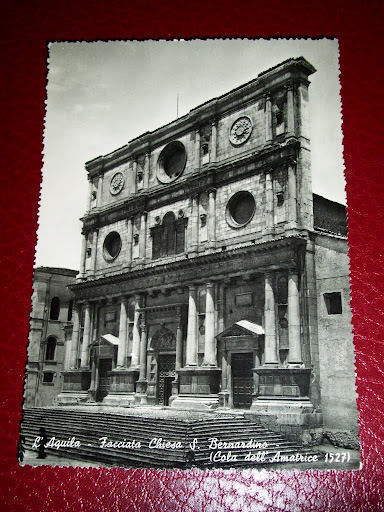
<point x="25" y="28"/>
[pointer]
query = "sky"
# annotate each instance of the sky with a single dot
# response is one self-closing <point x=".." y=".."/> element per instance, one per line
<point x="100" y="95"/>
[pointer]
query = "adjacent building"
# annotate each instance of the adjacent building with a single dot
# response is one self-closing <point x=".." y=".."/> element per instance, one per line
<point x="211" y="275"/>
<point x="49" y="336"/>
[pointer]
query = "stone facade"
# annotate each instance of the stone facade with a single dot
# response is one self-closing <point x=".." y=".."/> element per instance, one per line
<point x="204" y="280"/>
<point x="50" y="334"/>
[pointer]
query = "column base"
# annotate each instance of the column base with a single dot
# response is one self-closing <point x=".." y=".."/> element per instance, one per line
<point x="119" y="400"/>
<point x="198" y="388"/>
<point x="224" y="399"/>
<point x="196" y="402"/>
<point x="295" y="418"/>
<point x="283" y="404"/>
<point x="123" y="381"/>
<point x="72" y="397"/>
<point x="141" y="392"/>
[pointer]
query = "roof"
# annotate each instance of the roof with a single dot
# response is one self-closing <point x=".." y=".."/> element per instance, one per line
<point x="110" y="338"/>
<point x="242" y="328"/>
<point x="58" y="271"/>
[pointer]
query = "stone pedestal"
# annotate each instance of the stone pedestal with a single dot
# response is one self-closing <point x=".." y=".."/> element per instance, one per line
<point x="283" y="404"/>
<point x="198" y="388"/>
<point x="122" y="388"/>
<point x="141" y="392"/>
<point x="76" y="384"/>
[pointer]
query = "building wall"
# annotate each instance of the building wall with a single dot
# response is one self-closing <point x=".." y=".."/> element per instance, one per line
<point x="46" y="286"/>
<point x="336" y="351"/>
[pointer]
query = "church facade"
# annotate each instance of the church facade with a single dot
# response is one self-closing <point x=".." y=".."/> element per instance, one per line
<point x="211" y="276"/>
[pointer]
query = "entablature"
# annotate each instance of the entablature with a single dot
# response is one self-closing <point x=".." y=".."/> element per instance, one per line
<point x="258" y="258"/>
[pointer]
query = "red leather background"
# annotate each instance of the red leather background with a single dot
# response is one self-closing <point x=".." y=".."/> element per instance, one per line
<point x="25" y="28"/>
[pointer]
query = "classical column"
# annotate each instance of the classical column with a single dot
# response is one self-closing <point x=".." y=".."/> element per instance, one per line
<point x="214" y="141"/>
<point x="210" y="342"/>
<point x="294" y="354"/>
<point x="122" y="333"/>
<point x="94" y="251"/>
<point x="290" y="110"/>
<point x="99" y="190"/>
<point x="220" y="307"/>
<point x="143" y="236"/>
<point x="86" y="337"/>
<point x="179" y="341"/>
<point x="75" y="337"/>
<point x="270" y="322"/>
<point x="269" y="210"/>
<point x="195" y="223"/>
<point x="191" y="349"/>
<point x="292" y="192"/>
<point x="136" y="335"/>
<point x="143" y="351"/>
<point x="134" y="177"/>
<point x="83" y="256"/>
<point x="268" y="119"/>
<point x="89" y="200"/>
<point x="197" y="150"/>
<point x="212" y="217"/>
<point x="129" y="240"/>
<point x="146" y="169"/>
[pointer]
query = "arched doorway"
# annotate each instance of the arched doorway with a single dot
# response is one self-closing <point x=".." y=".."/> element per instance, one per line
<point x="164" y="345"/>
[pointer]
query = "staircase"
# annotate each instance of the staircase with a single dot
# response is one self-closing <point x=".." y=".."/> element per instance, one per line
<point x="89" y="427"/>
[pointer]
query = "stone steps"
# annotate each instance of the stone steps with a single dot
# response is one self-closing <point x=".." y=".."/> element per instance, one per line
<point x="88" y="427"/>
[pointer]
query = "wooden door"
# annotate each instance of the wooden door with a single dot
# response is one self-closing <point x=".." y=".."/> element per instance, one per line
<point x="242" y="380"/>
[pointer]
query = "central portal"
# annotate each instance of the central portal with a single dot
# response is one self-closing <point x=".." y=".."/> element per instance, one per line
<point x="242" y="380"/>
<point x="166" y="374"/>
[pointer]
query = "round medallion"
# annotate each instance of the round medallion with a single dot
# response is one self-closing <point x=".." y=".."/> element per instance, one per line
<point x="117" y="183"/>
<point x="240" y="130"/>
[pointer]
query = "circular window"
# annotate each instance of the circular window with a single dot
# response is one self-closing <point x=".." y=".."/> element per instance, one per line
<point x="171" y="162"/>
<point x="240" y="209"/>
<point x="112" y="246"/>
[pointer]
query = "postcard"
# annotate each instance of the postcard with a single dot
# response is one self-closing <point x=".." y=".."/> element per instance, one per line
<point x="197" y="315"/>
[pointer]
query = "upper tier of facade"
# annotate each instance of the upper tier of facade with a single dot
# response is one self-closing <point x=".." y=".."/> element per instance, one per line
<point x="232" y="171"/>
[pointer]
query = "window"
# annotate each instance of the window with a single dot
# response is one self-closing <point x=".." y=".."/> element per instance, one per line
<point x="112" y="246"/>
<point x="333" y="303"/>
<point x="205" y="153"/>
<point x="70" y="310"/>
<point x="50" y="349"/>
<point x="240" y="209"/>
<point x="169" y="237"/>
<point x="171" y="162"/>
<point x="55" y="309"/>
<point x="48" y="377"/>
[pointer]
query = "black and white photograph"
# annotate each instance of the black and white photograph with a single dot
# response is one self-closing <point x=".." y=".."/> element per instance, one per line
<point x="191" y="297"/>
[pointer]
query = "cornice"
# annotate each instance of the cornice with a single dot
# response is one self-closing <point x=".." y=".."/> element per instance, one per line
<point x="198" y="265"/>
<point x="292" y="70"/>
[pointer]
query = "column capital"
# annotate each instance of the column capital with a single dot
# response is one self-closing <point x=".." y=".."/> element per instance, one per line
<point x="211" y="190"/>
<point x="292" y="271"/>
<point x="291" y="162"/>
<point x="267" y="96"/>
<point x="289" y="85"/>
<point x="210" y="284"/>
